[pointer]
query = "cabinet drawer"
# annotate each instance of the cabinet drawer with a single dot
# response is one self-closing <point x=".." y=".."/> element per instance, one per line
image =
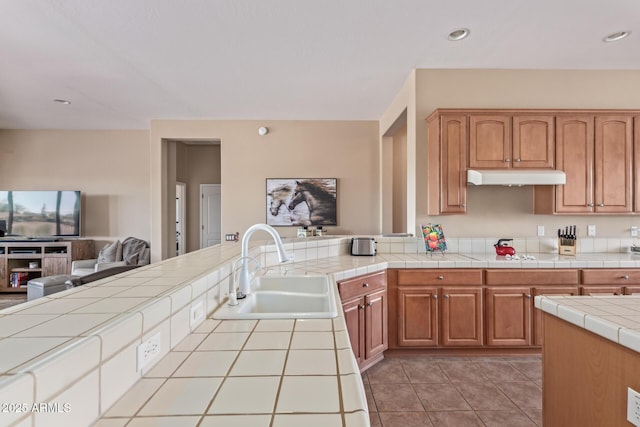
<point x="611" y="277"/>
<point x="532" y="277"/>
<point x="440" y="277"/>
<point x="362" y="285"/>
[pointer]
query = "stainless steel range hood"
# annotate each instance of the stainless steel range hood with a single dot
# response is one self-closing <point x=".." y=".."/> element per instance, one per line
<point x="516" y="177"/>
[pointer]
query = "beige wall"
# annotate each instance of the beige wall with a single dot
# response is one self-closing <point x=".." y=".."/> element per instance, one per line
<point x="499" y="211"/>
<point x="346" y="150"/>
<point x="400" y="180"/>
<point x="111" y="168"/>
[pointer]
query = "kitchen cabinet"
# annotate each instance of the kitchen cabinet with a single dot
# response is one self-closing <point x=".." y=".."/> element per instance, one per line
<point x="636" y="162"/>
<point x="364" y="303"/>
<point x="538" y="333"/>
<point x="509" y="309"/>
<point x="595" y="152"/>
<point x="447" y="164"/>
<point x="511" y="141"/>
<point x="489" y="141"/>
<point x="3" y="267"/>
<point x="439" y="308"/>
<point x="609" y="281"/>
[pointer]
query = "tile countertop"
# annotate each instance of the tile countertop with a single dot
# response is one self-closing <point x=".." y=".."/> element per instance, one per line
<point x="616" y="318"/>
<point x="91" y="333"/>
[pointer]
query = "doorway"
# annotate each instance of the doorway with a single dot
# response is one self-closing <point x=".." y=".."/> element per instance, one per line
<point x="210" y="215"/>
<point x="181" y="218"/>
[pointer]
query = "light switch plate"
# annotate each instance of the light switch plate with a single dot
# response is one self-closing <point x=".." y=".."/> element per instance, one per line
<point x="634" y="231"/>
<point x="591" y="230"/>
<point x="540" y="230"/>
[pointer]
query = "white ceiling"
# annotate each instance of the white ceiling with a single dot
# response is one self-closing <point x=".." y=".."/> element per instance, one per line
<point x="123" y="63"/>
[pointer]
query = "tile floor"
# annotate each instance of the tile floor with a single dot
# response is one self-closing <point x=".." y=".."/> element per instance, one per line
<point x="455" y="391"/>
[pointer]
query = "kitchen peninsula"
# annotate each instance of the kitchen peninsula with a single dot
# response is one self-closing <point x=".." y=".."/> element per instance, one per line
<point x="79" y="346"/>
<point x="591" y="357"/>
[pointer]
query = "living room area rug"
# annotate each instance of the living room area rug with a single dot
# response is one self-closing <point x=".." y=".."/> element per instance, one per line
<point x="10" y="300"/>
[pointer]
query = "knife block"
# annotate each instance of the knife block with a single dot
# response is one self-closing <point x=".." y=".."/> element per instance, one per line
<point x="567" y="246"/>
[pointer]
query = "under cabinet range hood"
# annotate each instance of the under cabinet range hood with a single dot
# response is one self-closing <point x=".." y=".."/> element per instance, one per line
<point x="513" y="177"/>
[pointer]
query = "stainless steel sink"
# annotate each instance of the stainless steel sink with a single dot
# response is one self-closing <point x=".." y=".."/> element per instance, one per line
<point x="285" y="297"/>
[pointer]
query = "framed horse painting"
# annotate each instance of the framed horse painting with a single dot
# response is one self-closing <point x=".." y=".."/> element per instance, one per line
<point x="301" y="201"/>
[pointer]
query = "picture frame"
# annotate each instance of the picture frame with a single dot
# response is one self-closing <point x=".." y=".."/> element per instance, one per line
<point x="301" y="202"/>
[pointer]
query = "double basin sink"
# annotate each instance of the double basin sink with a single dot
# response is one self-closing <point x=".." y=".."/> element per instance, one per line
<point x="285" y="297"/>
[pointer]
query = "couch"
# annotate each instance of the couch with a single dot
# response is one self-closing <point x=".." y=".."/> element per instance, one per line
<point x="131" y="251"/>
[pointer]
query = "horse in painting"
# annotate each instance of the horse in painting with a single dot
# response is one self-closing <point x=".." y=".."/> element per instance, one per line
<point x="320" y="199"/>
<point x="279" y="197"/>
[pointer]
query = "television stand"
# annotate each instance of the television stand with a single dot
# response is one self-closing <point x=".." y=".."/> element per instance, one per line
<point x="25" y="259"/>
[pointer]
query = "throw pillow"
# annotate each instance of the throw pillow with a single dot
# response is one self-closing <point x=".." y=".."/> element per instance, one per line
<point x="111" y="252"/>
<point x="130" y="247"/>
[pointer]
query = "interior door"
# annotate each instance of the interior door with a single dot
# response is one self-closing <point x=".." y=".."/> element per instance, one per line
<point x="210" y="215"/>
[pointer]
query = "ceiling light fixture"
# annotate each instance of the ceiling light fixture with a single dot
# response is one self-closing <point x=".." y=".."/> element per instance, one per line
<point x="62" y="101"/>
<point x="614" y="37"/>
<point x="460" y="34"/>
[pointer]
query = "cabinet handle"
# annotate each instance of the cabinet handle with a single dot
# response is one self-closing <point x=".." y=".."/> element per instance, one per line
<point x="590" y="205"/>
<point x="528" y="296"/>
<point x="440" y="277"/>
<point x="507" y="160"/>
<point x="517" y="160"/>
<point x="463" y="205"/>
<point x="370" y="304"/>
<point x="625" y="277"/>
<point x="601" y="205"/>
<point x="446" y="295"/>
<point x="365" y="285"/>
<point x="435" y="296"/>
<point x="360" y="307"/>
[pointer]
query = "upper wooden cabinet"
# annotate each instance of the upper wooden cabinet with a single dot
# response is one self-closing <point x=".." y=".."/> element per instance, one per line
<point x="533" y="141"/>
<point x="447" y="164"/>
<point x="511" y="141"/>
<point x="595" y="152"/>
<point x="489" y="141"/>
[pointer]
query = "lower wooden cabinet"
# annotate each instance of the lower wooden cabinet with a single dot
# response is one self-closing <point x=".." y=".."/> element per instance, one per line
<point x="508" y="313"/>
<point x="446" y="315"/>
<point x="512" y="319"/>
<point x="364" y="303"/>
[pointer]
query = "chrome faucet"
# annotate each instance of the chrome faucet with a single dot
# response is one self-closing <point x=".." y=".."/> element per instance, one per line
<point x="244" y="280"/>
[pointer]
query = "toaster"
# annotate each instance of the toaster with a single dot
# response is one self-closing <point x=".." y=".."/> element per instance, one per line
<point x="363" y="246"/>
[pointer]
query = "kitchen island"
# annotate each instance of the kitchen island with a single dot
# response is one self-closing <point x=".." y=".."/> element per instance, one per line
<point x="591" y="356"/>
<point x="78" y="347"/>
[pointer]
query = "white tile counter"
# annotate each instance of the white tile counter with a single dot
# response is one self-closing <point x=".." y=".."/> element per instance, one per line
<point x="75" y="351"/>
<point x="616" y="318"/>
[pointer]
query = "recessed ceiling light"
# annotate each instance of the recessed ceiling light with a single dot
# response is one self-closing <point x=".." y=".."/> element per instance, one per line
<point x="460" y="34"/>
<point x="614" y="37"/>
<point x="62" y="101"/>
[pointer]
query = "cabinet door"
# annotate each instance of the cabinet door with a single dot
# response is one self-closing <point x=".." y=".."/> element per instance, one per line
<point x="537" y="314"/>
<point x="461" y="316"/>
<point x="417" y="316"/>
<point x="508" y="312"/>
<point x="354" y="319"/>
<point x="489" y="141"/>
<point x="613" y="163"/>
<point x="632" y="290"/>
<point x="636" y="162"/>
<point x="574" y="156"/>
<point x="453" y="164"/>
<point x="533" y="142"/>
<point x="55" y="265"/>
<point x="375" y="323"/>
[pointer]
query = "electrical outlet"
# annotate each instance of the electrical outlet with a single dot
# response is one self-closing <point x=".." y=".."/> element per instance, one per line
<point x="148" y="351"/>
<point x="196" y="314"/>
<point x="540" y="230"/>
<point x="634" y="231"/>
<point x="633" y="406"/>
<point x="591" y="230"/>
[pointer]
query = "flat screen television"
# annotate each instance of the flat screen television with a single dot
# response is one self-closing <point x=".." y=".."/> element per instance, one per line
<point x="46" y="213"/>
